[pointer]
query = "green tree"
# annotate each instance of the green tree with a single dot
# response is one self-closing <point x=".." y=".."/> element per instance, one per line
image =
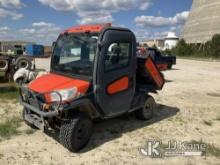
<point x="214" y="46"/>
<point x="182" y="49"/>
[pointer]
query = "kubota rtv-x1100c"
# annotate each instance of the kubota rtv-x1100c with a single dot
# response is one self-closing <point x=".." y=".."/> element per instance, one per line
<point x="94" y="74"/>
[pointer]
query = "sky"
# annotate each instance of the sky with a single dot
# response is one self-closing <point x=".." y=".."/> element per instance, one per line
<point x="41" y="21"/>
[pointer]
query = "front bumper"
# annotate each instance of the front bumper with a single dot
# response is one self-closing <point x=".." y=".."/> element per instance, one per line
<point x="31" y="101"/>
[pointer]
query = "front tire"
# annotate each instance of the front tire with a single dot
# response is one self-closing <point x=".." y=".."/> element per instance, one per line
<point x="148" y="110"/>
<point x="76" y="133"/>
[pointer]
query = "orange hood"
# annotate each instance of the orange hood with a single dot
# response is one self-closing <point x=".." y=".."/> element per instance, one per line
<point x="51" y="82"/>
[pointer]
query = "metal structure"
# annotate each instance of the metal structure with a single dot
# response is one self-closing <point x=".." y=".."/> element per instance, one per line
<point x="12" y="46"/>
<point x="203" y="21"/>
<point x="171" y="40"/>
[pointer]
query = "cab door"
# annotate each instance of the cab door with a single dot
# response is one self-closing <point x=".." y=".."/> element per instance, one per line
<point x="115" y="71"/>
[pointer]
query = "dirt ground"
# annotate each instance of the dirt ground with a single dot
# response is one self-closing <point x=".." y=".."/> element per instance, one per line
<point x="188" y="109"/>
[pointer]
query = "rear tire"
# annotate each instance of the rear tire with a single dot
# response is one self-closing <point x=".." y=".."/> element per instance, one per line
<point x="24" y="112"/>
<point x="76" y="133"/>
<point x="170" y="66"/>
<point x="148" y="110"/>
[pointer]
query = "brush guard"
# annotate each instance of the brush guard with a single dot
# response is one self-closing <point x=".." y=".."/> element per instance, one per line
<point x="30" y="100"/>
<point x="36" y="116"/>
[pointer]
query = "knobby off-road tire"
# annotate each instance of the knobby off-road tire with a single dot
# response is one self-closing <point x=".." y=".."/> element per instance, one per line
<point x="23" y="62"/>
<point x="24" y="112"/>
<point x="148" y="110"/>
<point x="76" y="133"/>
<point x="3" y="65"/>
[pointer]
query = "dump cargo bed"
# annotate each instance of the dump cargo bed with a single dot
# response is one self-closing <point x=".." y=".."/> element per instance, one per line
<point x="148" y="75"/>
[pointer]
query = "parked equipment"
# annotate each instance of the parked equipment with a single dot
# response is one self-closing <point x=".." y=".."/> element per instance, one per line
<point x="9" y="64"/>
<point x="95" y="73"/>
<point x="34" y="50"/>
<point x="162" y="62"/>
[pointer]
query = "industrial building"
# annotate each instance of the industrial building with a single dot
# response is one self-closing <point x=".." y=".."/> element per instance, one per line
<point x="159" y="43"/>
<point x="13" y="47"/>
<point x="171" y="41"/>
<point x="203" y="21"/>
<point x="168" y="42"/>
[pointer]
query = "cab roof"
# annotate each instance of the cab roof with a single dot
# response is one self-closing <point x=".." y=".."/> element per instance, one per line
<point x="87" y="28"/>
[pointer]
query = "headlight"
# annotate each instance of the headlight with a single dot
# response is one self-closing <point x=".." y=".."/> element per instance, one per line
<point x="66" y="94"/>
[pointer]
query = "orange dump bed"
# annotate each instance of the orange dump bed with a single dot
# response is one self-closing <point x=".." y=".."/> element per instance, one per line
<point x="149" y="74"/>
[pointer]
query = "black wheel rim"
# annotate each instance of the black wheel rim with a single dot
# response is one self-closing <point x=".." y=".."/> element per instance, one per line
<point x="82" y="131"/>
<point x="147" y="109"/>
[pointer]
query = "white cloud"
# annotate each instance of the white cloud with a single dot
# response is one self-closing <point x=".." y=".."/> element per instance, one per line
<point x="152" y="21"/>
<point x="7" y="9"/>
<point x="95" y="17"/>
<point x="5" y="33"/>
<point x="37" y="32"/>
<point x="42" y="24"/>
<point x="41" y="32"/>
<point x="27" y="31"/>
<point x="93" y="5"/>
<point x="142" y="34"/>
<point x="96" y="11"/>
<point x="11" y="4"/>
<point x="11" y="14"/>
<point x="4" y="29"/>
<point x="145" y="5"/>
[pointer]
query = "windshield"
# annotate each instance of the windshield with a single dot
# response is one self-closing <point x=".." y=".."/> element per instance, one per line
<point x="74" y="54"/>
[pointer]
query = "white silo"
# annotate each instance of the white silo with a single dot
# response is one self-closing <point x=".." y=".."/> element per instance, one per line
<point x="171" y="40"/>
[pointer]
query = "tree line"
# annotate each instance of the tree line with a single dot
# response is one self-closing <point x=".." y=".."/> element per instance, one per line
<point x="210" y="49"/>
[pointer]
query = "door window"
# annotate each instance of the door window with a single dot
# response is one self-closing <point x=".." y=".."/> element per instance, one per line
<point x="117" y="57"/>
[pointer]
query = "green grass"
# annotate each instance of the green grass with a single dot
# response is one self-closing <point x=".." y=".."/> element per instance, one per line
<point x="218" y="118"/>
<point x="209" y="123"/>
<point x="1" y="155"/>
<point x="213" y="151"/>
<point x="29" y="131"/>
<point x="2" y="78"/>
<point x="8" y="92"/>
<point x="9" y="128"/>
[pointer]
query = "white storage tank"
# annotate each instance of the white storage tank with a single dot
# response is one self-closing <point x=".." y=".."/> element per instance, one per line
<point x="171" y="40"/>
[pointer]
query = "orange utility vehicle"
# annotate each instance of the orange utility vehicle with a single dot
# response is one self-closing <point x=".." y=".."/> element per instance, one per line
<point x="95" y="73"/>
